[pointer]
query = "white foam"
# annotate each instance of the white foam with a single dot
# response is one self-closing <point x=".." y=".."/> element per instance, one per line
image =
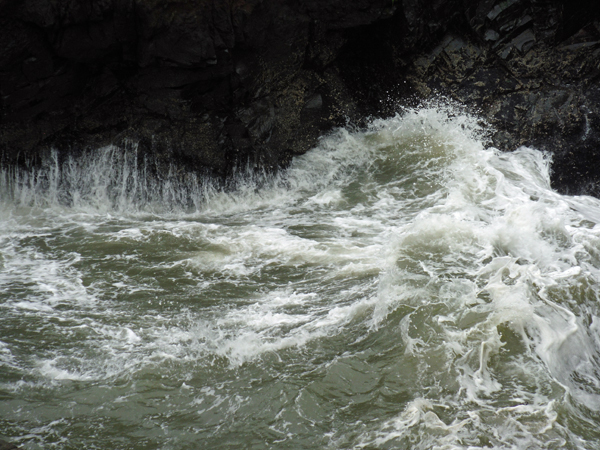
<point x="413" y="232"/>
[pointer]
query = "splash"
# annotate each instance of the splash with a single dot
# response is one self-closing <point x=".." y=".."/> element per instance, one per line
<point x="402" y="286"/>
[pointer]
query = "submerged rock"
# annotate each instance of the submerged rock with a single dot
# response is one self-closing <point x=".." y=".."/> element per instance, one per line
<point x="4" y="445"/>
<point x="209" y="85"/>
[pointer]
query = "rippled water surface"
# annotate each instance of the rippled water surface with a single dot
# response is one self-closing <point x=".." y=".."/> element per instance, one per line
<point x="403" y="287"/>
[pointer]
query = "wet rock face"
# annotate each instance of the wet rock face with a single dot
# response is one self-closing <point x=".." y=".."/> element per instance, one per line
<point x="532" y="69"/>
<point x="209" y="84"/>
<point x="213" y="84"/>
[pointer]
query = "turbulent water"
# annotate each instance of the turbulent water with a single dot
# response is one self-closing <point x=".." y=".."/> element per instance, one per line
<point x="401" y="287"/>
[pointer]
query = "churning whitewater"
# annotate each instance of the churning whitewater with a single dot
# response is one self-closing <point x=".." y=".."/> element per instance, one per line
<point x="401" y="287"/>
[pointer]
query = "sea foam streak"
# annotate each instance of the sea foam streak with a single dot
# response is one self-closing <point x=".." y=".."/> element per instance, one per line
<point x="404" y="286"/>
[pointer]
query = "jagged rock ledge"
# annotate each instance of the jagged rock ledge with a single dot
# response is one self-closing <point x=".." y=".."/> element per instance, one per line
<point x="212" y="84"/>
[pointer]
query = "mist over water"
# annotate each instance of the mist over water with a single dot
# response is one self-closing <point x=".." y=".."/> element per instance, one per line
<point x="401" y="287"/>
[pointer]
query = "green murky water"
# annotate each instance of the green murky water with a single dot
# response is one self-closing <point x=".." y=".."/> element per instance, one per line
<point x="404" y="287"/>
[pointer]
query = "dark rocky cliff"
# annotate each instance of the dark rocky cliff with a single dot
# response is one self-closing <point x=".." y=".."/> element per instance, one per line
<point x="212" y="84"/>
